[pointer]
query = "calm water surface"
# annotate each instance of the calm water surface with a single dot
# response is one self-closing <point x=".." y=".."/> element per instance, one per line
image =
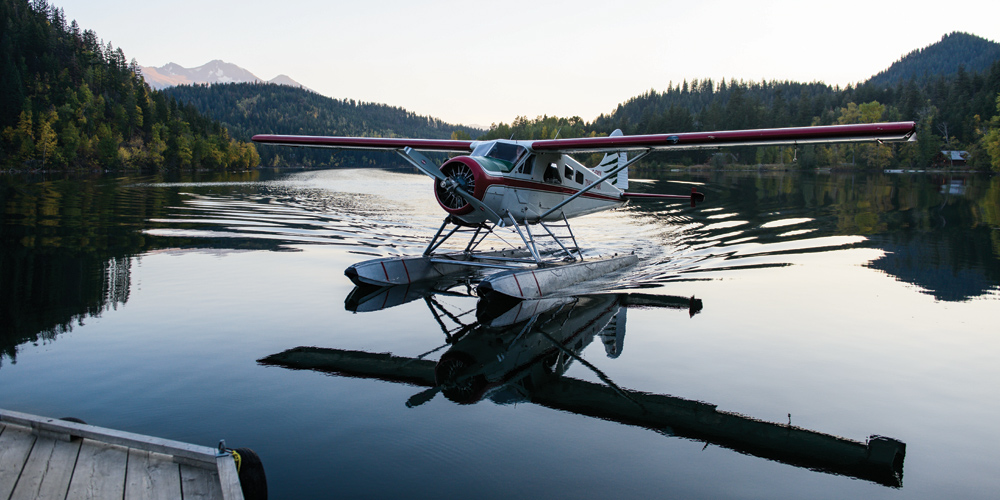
<point x="823" y="305"/>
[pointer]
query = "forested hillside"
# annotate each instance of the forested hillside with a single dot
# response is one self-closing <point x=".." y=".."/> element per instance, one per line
<point x="944" y="58"/>
<point x="69" y="101"/>
<point x="247" y="109"/>
<point x="958" y="111"/>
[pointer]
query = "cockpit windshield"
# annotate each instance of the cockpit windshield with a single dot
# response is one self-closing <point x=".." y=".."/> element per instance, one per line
<point x="508" y="154"/>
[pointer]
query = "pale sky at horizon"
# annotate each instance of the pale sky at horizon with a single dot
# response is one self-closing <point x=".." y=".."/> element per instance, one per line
<point x="477" y="64"/>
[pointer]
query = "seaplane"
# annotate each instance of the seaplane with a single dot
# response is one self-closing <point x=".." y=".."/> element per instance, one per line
<point x="518" y="185"/>
<point x="521" y="352"/>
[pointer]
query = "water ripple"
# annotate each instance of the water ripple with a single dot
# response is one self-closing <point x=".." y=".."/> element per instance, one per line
<point x="384" y="213"/>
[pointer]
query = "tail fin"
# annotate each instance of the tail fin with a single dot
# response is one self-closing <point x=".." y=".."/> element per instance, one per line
<point x="612" y="160"/>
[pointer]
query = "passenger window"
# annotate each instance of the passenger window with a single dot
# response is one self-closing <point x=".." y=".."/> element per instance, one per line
<point x="579" y="177"/>
<point x="552" y="174"/>
<point x="568" y="172"/>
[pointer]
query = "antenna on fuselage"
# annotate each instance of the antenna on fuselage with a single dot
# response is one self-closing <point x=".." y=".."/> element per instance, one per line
<point x="557" y="133"/>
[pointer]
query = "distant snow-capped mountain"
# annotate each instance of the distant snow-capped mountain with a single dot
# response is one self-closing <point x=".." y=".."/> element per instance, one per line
<point x="213" y="72"/>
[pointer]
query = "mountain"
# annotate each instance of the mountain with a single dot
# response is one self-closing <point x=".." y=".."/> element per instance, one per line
<point x="943" y="58"/>
<point x="286" y="80"/>
<point x="212" y="72"/>
<point x="263" y="108"/>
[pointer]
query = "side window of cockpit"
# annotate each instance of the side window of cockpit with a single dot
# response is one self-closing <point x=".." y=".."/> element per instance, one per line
<point x="552" y="174"/>
<point x="527" y="166"/>
<point x="568" y="172"/>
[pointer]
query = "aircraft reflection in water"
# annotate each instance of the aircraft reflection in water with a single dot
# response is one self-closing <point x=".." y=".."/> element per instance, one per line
<point x="519" y="351"/>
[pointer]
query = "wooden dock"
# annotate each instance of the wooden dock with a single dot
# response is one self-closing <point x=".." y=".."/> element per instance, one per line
<point x="45" y="458"/>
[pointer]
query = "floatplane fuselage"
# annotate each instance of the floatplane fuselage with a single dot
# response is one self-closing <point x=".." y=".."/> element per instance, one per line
<point x="515" y="185"/>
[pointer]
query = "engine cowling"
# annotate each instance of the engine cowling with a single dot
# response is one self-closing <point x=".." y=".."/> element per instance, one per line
<point x="466" y="173"/>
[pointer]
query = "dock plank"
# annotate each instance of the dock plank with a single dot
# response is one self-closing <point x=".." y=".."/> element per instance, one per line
<point x="152" y="476"/>
<point x="100" y="472"/>
<point x="15" y="445"/>
<point x="48" y="471"/>
<point x="42" y="457"/>
<point x="229" y="478"/>
<point x="200" y="484"/>
<point x="203" y="454"/>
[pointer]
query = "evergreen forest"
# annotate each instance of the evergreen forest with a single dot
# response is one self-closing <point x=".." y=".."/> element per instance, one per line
<point x="247" y="109"/>
<point x="954" y="111"/>
<point x="69" y="101"/>
<point x="955" y="50"/>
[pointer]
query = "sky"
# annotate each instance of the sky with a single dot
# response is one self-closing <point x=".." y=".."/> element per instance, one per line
<point x="478" y="63"/>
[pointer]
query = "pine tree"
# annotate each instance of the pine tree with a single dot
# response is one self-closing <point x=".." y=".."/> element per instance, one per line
<point x="47" y="139"/>
<point x="991" y="139"/>
<point x="25" y="137"/>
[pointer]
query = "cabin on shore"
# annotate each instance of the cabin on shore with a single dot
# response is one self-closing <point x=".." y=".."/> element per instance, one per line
<point x="951" y="159"/>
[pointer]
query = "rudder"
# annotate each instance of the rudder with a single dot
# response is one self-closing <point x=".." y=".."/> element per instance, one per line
<point x="612" y="160"/>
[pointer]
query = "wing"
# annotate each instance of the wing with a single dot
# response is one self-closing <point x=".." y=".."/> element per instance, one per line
<point x="897" y="131"/>
<point x="386" y="143"/>
<point x="407" y="148"/>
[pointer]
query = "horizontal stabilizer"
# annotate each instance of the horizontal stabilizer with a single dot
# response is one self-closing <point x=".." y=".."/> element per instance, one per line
<point x="695" y="196"/>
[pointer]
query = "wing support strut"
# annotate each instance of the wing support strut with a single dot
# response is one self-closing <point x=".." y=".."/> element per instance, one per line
<point x="479" y="233"/>
<point x="529" y="243"/>
<point x="434" y="244"/>
<point x="596" y="183"/>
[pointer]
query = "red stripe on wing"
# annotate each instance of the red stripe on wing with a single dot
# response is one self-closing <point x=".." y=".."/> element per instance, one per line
<point x="829" y="133"/>
<point x="388" y="143"/>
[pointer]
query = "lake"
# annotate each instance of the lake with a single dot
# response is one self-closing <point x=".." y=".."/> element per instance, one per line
<point x="761" y="347"/>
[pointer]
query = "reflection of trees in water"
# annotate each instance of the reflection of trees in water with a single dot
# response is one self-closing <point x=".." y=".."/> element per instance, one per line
<point x="46" y="295"/>
<point x="956" y="267"/>
<point x="940" y="231"/>
<point x="66" y="245"/>
<point x="65" y="252"/>
<point x="119" y="281"/>
<point x="941" y="235"/>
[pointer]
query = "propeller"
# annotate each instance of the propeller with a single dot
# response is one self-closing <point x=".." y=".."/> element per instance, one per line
<point x="423" y="396"/>
<point x="423" y="163"/>
<point x="459" y="176"/>
<point x="453" y="185"/>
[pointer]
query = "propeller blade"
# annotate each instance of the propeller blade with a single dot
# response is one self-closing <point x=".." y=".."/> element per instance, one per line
<point x="422" y="397"/>
<point x="423" y="163"/>
<point x="478" y="205"/>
